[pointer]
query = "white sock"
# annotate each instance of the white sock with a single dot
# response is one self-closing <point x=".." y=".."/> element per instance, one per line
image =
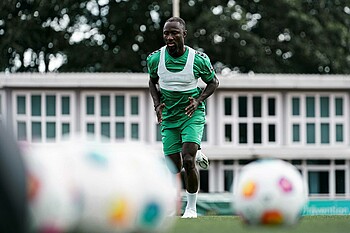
<point x="191" y="200"/>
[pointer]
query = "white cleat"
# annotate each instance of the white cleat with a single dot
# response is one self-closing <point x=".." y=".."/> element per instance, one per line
<point x="189" y="213"/>
<point x="202" y="160"/>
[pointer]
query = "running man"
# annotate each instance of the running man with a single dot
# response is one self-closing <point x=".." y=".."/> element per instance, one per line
<point x="179" y="104"/>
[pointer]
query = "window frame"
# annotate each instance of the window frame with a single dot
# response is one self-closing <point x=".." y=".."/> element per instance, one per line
<point x="128" y="119"/>
<point x="317" y="120"/>
<point x="265" y="120"/>
<point x="58" y="119"/>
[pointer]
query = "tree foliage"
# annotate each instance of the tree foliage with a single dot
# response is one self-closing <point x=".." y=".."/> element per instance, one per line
<point x="285" y="36"/>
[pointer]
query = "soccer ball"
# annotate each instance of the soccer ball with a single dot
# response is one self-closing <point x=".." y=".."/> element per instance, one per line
<point x="52" y="199"/>
<point x="94" y="186"/>
<point x="125" y="187"/>
<point x="269" y="192"/>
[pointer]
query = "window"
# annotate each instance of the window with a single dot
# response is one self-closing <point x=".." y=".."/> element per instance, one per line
<point x="317" y="119"/>
<point x="249" y="119"/>
<point x="318" y="182"/>
<point x="327" y="177"/>
<point x="113" y="115"/>
<point x="43" y="116"/>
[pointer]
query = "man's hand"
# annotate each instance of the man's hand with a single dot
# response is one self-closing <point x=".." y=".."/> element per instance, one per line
<point x="159" y="110"/>
<point x="191" y="108"/>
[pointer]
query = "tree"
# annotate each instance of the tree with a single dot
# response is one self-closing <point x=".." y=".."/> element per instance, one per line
<point x="286" y="36"/>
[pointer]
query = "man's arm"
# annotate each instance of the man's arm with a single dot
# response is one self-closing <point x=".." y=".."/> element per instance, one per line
<point x="155" y="94"/>
<point x="208" y="91"/>
<point x="154" y="91"/>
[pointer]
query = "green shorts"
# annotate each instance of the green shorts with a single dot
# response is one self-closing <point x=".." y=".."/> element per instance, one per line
<point x="190" y="130"/>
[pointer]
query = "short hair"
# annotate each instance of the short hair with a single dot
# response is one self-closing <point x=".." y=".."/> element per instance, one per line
<point x="179" y="20"/>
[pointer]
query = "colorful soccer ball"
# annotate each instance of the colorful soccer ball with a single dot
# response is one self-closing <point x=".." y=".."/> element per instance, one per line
<point x="269" y="192"/>
<point x="93" y="186"/>
<point x="53" y="203"/>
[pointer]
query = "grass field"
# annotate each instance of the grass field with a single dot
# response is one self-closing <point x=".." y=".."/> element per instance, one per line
<point x="227" y="224"/>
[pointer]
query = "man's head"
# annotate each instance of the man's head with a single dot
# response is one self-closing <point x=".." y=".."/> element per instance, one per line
<point x="174" y="33"/>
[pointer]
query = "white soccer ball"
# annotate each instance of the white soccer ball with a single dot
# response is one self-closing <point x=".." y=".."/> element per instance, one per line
<point x="124" y="186"/>
<point x="269" y="192"/>
<point x="92" y="186"/>
<point x="53" y="203"/>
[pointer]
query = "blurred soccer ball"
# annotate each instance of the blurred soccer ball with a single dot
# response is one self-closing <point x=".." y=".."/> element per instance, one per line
<point x="93" y="186"/>
<point x="269" y="192"/>
<point x="52" y="194"/>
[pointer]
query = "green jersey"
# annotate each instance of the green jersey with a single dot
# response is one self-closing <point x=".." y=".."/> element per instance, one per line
<point x="178" y="79"/>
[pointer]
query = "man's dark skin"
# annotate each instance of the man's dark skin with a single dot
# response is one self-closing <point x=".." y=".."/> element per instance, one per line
<point x="174" y="37"/>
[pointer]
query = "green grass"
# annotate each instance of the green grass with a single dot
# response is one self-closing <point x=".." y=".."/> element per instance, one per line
<point x="226" y="224"/>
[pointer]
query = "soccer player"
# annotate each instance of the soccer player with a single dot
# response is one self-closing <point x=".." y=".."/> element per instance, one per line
<point x="179" y="104"/>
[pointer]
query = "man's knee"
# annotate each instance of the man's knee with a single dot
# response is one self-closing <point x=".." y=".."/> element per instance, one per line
<point x="188" y="161"/>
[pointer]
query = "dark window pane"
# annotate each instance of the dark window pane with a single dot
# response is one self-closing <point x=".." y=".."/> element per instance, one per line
<point x="65" y="128"/>
<point x="21" y="105"/>
<point x="339" y="132"/>
<point x="244" y="161"/>
<point x="36" y="105"/>
<point x="50" y="105"/>
<point x="36" y="131"/>
<point x="105" y="105"/>
<point x="119" y="106"/>
<point x="295" y="106"/>
<point x="318" y="182"/>
<point x="340" y="182"/>
<point x="271" y="106"/>
<point x="324" y="105"/>
<point x="105" y="129"/>
<point x="272" y="133"/>
<point x="325" y="133"/>
<point x="257" y="106"/>
<point x="318" y="162"/>
<point x="228" y="133"/>
<point x="310" y="106"/>
<point x="90" y="105"/>
<point x="339" y="161"/>
<point x="296" y="162"/>
<point x="296" y="133"/>
<point x="310" y="133"/>
<point x="243" y="131"/>
<point x="134" y="105"/>
<point x="229" y="161"/>
<point x="257" y="133"/>
<point x="242" y="106"/>
<point x="228" y="179"/>
<point x="119" y="130"/>
<point x="65" y="108"/>
<point x="90" y="128"/>
<point x="204" y="180"/>
<point x="339" y="106"/>
<point x="134" y="131"/>
<point x="50" y="130"/>
<point x="228" y="106"/>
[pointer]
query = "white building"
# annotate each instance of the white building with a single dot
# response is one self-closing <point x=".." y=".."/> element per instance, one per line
<point x="304" y="119"/>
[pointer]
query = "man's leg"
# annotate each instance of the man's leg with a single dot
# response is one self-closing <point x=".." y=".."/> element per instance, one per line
<point x="189" y="151"/>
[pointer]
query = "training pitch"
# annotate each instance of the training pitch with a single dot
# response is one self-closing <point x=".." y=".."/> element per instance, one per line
<point x="227" y="224"/>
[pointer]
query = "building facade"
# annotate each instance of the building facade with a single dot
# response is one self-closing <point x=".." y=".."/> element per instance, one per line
<point x="303" y="119"/>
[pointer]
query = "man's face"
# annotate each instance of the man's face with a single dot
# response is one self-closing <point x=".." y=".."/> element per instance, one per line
<point x="174" y="38"/>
